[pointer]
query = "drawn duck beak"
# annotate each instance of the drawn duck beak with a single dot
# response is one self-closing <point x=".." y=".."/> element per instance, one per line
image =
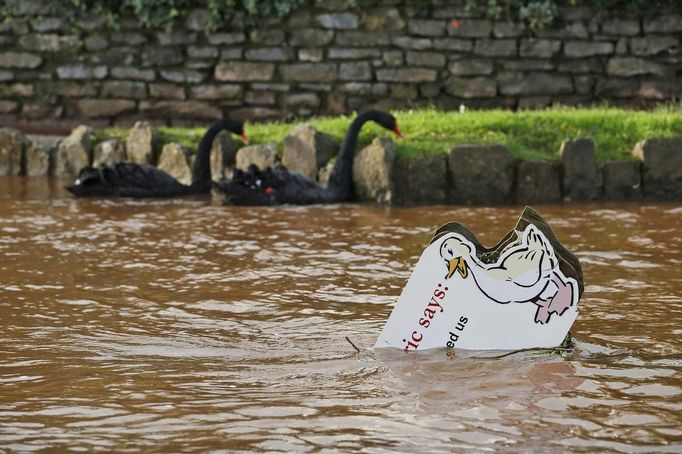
<point x="457" y="264"/>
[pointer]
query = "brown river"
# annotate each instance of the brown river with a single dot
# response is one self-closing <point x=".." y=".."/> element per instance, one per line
<point x="185" y="326"/>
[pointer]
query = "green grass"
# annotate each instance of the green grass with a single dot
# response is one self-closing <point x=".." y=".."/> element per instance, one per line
<point x="528" y="134"/>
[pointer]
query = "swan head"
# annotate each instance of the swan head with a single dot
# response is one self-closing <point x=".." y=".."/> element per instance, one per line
<point x="454" y="251"/>
<point x="385" y="120"/>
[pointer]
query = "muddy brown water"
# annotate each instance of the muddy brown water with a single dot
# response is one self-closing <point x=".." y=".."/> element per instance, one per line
<point x="184" y="326"/>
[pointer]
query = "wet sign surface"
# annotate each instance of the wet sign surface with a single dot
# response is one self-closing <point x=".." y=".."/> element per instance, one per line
<point x="453" y="299"/>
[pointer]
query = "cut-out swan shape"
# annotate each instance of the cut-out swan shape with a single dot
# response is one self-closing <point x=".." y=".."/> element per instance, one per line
<point x="526" y="272"/>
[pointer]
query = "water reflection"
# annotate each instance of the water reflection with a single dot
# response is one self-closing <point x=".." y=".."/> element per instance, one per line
<point x="181" y="325"/>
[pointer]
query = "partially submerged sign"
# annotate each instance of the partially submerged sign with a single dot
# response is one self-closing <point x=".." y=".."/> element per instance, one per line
<point x="521" y="293"/>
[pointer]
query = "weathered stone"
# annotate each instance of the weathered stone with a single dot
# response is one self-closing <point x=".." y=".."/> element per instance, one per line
<point x="16" y="90"/>
<point x="94" y="108"/>
<point x="622" y="46"/>
<point x="475" y="87"/>
<point x="129" y="38"/>
<point x="311" y="37"/>
<point x="351" y="53"/>
<point x="268" y="36"/>
<point x="582" y="49"/>
<point x="301" y="100"/>
<point x="383" y="18"/>
<point x="8" y="106"/>
<point x="226" y="39"/>
<point x="617" y="88"/>
<point x="456" y="45"/>
<point x="47" y="24"/>
<point x="162" y="56"/>
<point x="50" y="43"/>
<point x="671" y="23"/>
<point x="223" y="154"/>
<point x="167" y="91"/>
<point x="299" y="18"/>
<point x="660" y="89"/>
<point x="198" y="20"/>
<point x="142" y="143"/>
<point x="568" y="31"/>
<point x="470" y="67"/>
<point x="174" y="160"/>
<point x="540" y="48"/>
<point x="306" y="150"/>
<point x="481" y="174"/>
<point x="255" y="113"/>
<point x="12" y="146"/>
<point x="514" y="84"/>
<point x="235" y="71"/>
<point x="426" y="59"/>
<point x="471" y="28"/>
<point x="583" y="66"/>
<point x="662" y="167"/>
<point x="182" y="76"/>
<point x="393" y="57"/>
<point x="355" y="71"/>
<point x="176" y="38"/>
<point x="352" y="38"/>
<point x="582" y="179"/>
<point x="124" y="89"/>
<point x="82" y="72"/>
<point x="109" y="152"/>
<point x="126" y="72"/>
<point x="36" y="110"/>
<point x="309" y="72"/>
<point x="38" y="156"/>
<point x="222" y="91"/>
<point x="406" y="75"/>
<point x="495" y="47"/>
<point x="73" y="89"/>
<point x="372" y="171"/>
<point x="537" y="182"/>
<point x="528" y="65"/>
<point x="73" y="152"/>
<point x="313" y="55"/>
<point x="271" y="87"/>
<point x="426" y="27"/>
<point x="259" y="97"/>
<point x="202" y="51"/>
<point x="404" y="91"/>
<point x="507" y="30"/>
<point x="412" y="43"/>
<point x="96" y="42"/>
<point x="270" y="54"/>
<point x="19" y="60"/>
<point x="621" y="27"/>
<point x="583" y="84"/>
<point x="338" y="21"/>
<point x="262" y="156"/>
<point x="622" y="180"/>
<point x="422" y="180"/>
<point x="6" y="76"/>
<point x="628" y="67"/>
<point x="194" y="110"/>
<point x="652" y="45"/>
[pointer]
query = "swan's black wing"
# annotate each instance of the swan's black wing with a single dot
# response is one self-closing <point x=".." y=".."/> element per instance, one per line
<point x="297" y="189"/>
<point x="126" y="179"/>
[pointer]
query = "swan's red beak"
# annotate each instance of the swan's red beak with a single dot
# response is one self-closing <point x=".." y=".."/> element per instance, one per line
<point x="244" y="138"/>
<point x="397" y="132"/>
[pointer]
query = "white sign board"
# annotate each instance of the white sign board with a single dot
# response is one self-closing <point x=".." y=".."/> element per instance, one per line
<point x="454" y="300"/>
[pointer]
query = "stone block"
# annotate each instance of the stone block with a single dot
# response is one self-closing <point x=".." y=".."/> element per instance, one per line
<point x="309" y="72"/>
<point x="223" y="91"/>
<point x="161" y="56"/>
<point x="404" y="91"/>
<point x="539" y="48"/>
<point x="82" y="72"/>
<point x="193" y="110"/>
<point x="167" y="91"/>
<point x="495" y="47"/>
<point x="630" y="66"/>
<point x="128" y="38"/>
<point x="124" y="89"/>
<point x="582" y="49"/>
<point x="617" y="88"/>
<point x="470" y="67"/>
<point x="96" y="108"/>
<point x="223" y="154"/>
<point x="425" y="59"/>
<point x="471" y="28"/>
<point x="311" y="37"/>
<point x="108" y="152"/>
<point x="20" y="60"/>
<point x="269" y="54"/>
<point x="312" y="55"/>
<point x="671" y="23"/>
<point x="355" y="71"/>
<point x="236" y="71"/>
<point x="73" y="153"/>
<point x="507" y="30"/>
<point x="406" y="75"/>
<point x="127" y="72"/>
<point x="528" y="65"/>
<point x="39" y="154"/>
<point x="582" y="179"/>
<point x="514" y="84"/>
<point x="662" y="167"/>
<point x="306" y="150"/>
<point x="226" y="39"/>
<point x="174" y="160"/>
<point x="422" y="180"/>
<point x="142" y="143"/>
<point x="47" y="24"/>
<point x="383" y="18"/>
<point x="50" y="43"/>
<point x="176" y="38"/>
<point x="481" y="174"/>
<point x="622" y="180"/>
<point x="372" y="171"/>
<point x="198" y="20"/>
<point x="453" y="44"/>
<point x="203" y="52"/>
<point x="537" y="182"/>
<point x="621" y="27"/>
<point x="426" y="27"/>
<point x="352" y="38"/>
<point x="18" y="89"/>
<point x="301" y="100"/>
<point x="352" y="53"/>
<point x="653" y="45"/>
<point x="393" y="57"/>
<point x="472" y="87"/>
<point x="12" y="147"/>
<point x="6" y="76"/>
<point x="338" y="21"/>
<point x="412" y="43"/>
<point x="180" y="76"/>
<point x="259" y="97"/>
<point x="262" y="156"/>
<point x="8" y="106"/>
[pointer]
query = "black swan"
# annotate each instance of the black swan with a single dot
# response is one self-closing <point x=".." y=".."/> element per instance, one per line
<point x="127" y="179"/>
<point x="274" y="186"/>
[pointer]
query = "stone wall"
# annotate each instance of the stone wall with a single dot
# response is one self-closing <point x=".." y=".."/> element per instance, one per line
<point x="327" y="59"/>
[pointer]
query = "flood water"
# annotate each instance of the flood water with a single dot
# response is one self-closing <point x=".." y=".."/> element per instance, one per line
<point x="185" y="326"/>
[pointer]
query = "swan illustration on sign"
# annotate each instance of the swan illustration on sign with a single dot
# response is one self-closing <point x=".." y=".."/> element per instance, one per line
<point x="453" y="299"/>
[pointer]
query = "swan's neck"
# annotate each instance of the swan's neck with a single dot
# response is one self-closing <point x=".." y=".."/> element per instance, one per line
<point x="340" y="181"/>
<point x="201" y="171"/>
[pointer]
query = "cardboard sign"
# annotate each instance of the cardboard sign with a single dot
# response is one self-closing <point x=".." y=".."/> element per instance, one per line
<point x="455" y="300"/>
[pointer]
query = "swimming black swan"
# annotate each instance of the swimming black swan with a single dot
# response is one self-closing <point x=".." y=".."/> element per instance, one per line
<point x="279" y="186"/>
<point x="127" y="179"/>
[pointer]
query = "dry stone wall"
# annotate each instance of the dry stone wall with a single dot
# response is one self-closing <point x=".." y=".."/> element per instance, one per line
<point x="328" y="59"/>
